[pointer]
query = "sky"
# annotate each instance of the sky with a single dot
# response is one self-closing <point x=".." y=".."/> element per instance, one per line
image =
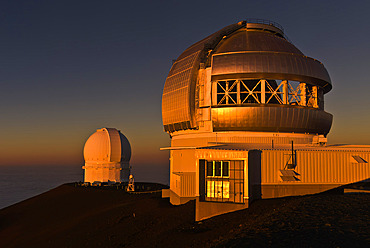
<point x="68" y="68"/>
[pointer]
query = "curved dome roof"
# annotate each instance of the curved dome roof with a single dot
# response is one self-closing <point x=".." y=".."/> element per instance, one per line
<point x="107" y="145"/>
<point x="242" y="51"/>
<point x="255" y="51"/>
<point x="256" y="41"/>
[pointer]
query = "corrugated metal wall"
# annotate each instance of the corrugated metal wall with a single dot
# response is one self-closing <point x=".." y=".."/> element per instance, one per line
<point x="183" y="183"/>
<point x="188" y="184"/>
<point x="204" y="140"/>
<point x="316" y="166"/>
<point x="175" y="183"/>
<point x="177" y="94"/>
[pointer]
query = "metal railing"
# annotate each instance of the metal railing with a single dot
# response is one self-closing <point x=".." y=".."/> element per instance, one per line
<point x="267" y="22"/>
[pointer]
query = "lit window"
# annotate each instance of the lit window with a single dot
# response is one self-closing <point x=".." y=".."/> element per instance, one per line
<point x="210" y="188"/>
<point x="223" y="181"/>
<point x="218" y="189"/>
<point x="218" y="185"/>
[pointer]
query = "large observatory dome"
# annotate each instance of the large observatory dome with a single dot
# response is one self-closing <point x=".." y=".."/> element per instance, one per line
<point x="107" y="145"/>
<point x="245" y="112"/>
<point x="246" y="77"/>
<point x="107" y="154"/>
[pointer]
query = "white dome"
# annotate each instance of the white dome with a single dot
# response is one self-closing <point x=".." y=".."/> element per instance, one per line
<point x="107" y="145"/>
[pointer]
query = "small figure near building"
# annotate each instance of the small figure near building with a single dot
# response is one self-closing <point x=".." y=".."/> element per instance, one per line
<point x="131" y="184"/>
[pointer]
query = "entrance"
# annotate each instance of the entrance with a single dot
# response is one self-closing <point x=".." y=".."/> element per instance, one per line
<point x="221" y="181"/>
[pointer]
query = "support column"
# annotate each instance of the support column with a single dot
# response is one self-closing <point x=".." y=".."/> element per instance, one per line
<point x="285" y="92"/>
<point x="263" y="91"/>
<point x="214" y="93"/>
<point x="201" y="81"/>
<point x="302" y="87"/>
<point x="227" y="92"/>
<point x="315" y="97"/>
<point x="238" y="92"/>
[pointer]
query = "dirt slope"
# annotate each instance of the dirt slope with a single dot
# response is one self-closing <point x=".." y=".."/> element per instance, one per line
<point x="70" y="216"/>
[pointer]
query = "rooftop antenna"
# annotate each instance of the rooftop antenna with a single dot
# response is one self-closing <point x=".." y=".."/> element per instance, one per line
<point x="288" y="173"/>
<point x="293" y="156"/>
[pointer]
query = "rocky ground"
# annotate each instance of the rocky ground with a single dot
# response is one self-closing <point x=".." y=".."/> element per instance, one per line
<point x="75" y="216"/>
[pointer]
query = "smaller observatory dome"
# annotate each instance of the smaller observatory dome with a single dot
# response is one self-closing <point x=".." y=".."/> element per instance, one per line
<point x="107" y="145"/>
<point x="107" y="154"/>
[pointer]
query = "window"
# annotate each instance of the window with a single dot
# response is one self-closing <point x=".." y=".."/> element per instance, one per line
<point x="209" y="169"/>
<point x="225" y="169"/>
<point x="227" y="92"/>
<point x="218" y="189"/>
<point x="263" y="91"/>
<point x="250" y="91"/>
<point x="223" y="181"/>
<point x="218" y="168"/>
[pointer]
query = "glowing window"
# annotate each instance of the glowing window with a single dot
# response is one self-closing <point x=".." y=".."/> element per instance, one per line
<point x="222" y="181"/>
<point x="218" y="189"/>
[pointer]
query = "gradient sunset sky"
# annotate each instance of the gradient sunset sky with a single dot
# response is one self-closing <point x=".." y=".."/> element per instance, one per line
<point x="71" y="67"/>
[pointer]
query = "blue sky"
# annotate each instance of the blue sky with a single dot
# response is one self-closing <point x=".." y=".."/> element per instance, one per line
<point x="68" y="68"/>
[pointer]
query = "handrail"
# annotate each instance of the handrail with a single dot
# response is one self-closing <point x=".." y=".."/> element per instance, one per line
<point x="268" y="22"/>
<point x="263" y="21"/>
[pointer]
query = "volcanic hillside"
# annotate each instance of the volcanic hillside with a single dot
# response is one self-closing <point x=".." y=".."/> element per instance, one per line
<point x="76" y="216"/>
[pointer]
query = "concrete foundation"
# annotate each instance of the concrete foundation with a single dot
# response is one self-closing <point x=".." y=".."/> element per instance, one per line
<point x="274" y="191"/>
<point x="177" y="200"/>
<point x="206" y="209"/>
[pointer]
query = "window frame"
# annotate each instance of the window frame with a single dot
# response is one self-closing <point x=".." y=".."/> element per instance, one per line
<point x="221" y="169"/>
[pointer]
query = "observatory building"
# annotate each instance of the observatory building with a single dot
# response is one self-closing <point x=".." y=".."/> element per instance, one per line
<point x="245" y="112"/>
<point x="107" y="154"/>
